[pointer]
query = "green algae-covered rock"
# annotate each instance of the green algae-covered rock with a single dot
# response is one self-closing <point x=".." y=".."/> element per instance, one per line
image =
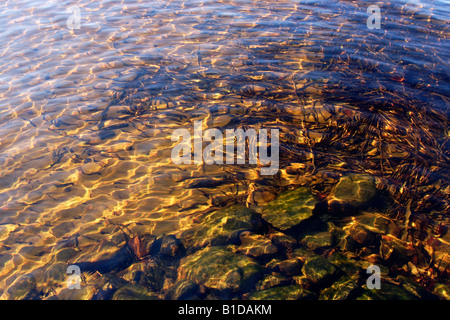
<point x="271" y="280"/>
<point x="289" y="208"/>
<point x="318" y="240"/>
<point x="134" y="292"/>
<point x="184" y="290"/>
<point x="303" y="254"/>
<point x="318" y="269"/>
<point x="354" y="266"/>
<point x="442" y="290"/>
<point x="292" y="292"/>
<point x="355" y="189"/>
<point x="387" y="292"/>
<point x="218" y="268"/>
<point x="341" y="289"/>
<point x="218" y="228"/>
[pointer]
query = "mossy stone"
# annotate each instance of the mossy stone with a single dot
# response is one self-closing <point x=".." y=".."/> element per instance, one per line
<point x="220" y="227"/>
<point x="292" y="292"/>
<point x="442" y="290"/>
<point x="289" y="208"/>
<point x="341" y="289"/>
<point x="387" y="292"/>
<point x="355" y="189"/>
<point x="218" y="268"/>
<point x="318" y="240"/>
<point x="134" y="292"/>
<point x="271" y="280"/>
<point x="184" y="290"/>
<point x="318" y="269"/>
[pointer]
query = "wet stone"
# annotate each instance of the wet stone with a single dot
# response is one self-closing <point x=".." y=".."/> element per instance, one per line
<point x="56" y="272"/>
<point x="290" y="267"/>
<point x="442" y="290"/>
<point x="387" y="292"/>
<point x="220" y="227"/>
<point x="353" y="266"/>
<point x="218" y="268"/>
<point x="441" y="252"/>
<point x="317" y="241"/>
<point x="289" y="208"/>
<point x="341" y="289"/>
<point x="91" y="168"/>
<point x="184" y="290"/>
<point x="292" y="292"/>
<point x="65" y="254"/>
<point x="282" y="240"/>
<point x="23" y="288"/>
<point x="395" y="251"/>
<point x="151" y="273"/>
<point x="362" y="235"/>
<point x="318" y="269"/>
<point x="303" y="254"/>
<point x="271" y="280"/>
<point x="134" y="273"/>
<point x="255" y="245"/>
<point x="378" y="223"/>
<point x="273" y="264"/>
<point x="166" y="246"/>
<point x="134" y="292"/>
<point x="84" y="293"/>
<point x="355" y="189"/>
<point x="410" y="286"/>
<point x="155" y="274"/>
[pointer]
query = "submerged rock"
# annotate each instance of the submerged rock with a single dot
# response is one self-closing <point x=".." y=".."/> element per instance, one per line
<point x="292" y="292"/>
<point x="363" y="236"/>
<point x="318" y="241"/>
<point x="166" y="246"/>
<point x="184" y="290"/>
<point x="282" y="240"/>
<point x="355" y="189"/>
<point x="256" y="246"/>
<point x="84" y="293"/>
<point x="397" y="252"/>
<point x="303" y="254"/>
<point x="341" y="289"/>
<point x="271" y="280"/>
<point x="151" y="273"/>
<point x="442" y="290"/>
<point x="134" y="292"/>
<point x="117" y="261"/>
<point x="218" y="268"/>
<point x="378" y="223"/>
<point x="289" y="208"/>
<point x="220" y="227"/>
<point x="387" y="292"/>
<point x="318" y="269"/>
<point x="290" y="267"/>
<point x="23" y="288"/>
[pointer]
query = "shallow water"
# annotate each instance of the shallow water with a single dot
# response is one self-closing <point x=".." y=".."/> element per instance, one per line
<point x="86" y="115"/>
